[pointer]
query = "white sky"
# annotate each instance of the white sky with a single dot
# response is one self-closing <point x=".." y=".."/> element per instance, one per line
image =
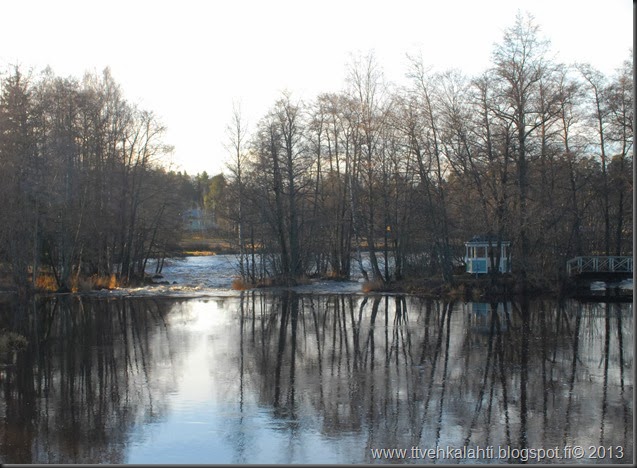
<point x="188" y="60"/>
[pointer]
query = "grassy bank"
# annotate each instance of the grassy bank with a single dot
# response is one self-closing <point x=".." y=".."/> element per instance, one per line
<point x="198" y="244"/>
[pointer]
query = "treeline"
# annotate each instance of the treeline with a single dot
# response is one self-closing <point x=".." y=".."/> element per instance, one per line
<point x="531" y="151"/>
<point x="82" y="187"/>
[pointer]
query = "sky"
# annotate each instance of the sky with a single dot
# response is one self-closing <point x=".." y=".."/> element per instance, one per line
<point x="190" y="61"/>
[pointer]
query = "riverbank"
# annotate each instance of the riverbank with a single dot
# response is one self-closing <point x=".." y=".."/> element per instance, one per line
<point x="206" y="272"/>
<point x="466" y="288"/>
<point x="201" y="245"/>
<point x="482" y="289"/>
<point x="463" y="287"/>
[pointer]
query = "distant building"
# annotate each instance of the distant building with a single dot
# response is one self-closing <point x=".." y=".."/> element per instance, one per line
<point x="196" y="219"/>
<point x="480" y="250"/>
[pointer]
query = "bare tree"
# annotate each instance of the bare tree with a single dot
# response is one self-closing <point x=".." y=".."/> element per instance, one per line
<point x="366" y="81"/>
<point x="19" y="184"/>
<point x="519" y="63"/>
<point x="430" y="157"/>
<point x="237" y="139"/>
<point x="620" y="133"/>
<point x="596" y="82"/>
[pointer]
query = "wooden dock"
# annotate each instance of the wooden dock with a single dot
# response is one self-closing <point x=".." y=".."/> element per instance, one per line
<point x="584" y="271"/>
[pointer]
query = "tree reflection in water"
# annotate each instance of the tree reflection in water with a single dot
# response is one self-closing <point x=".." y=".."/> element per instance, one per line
<point x="87" y="377"/>
<point x="409" y="372"/>
<point x="346" y="373"/>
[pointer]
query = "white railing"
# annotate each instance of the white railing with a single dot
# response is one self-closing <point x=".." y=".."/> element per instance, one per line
<point x="599" y="264"/>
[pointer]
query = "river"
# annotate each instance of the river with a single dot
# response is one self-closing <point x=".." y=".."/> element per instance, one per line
<point x="194" y="372"/>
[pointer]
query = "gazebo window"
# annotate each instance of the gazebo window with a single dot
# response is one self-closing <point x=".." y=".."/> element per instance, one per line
<point x="481" y="249"/>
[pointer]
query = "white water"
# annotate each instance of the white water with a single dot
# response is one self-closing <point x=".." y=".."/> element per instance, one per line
<point x="202" y="276"/>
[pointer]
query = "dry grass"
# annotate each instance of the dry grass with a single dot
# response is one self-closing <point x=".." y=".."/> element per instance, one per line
<point x="95" y="282"/>
<point x="106" y="282"/>
<point x="371" y="286"/>
<point x="199" y="253"/>
<point x="46" y="282"/>
<point x="238" y="284"/>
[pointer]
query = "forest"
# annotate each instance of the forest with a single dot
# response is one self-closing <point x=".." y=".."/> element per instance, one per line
<point x="531" y="151"/>
<point x="86" y="195"/>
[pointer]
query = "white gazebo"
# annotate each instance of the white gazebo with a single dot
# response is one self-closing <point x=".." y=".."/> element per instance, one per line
<point x="481" y="249"/>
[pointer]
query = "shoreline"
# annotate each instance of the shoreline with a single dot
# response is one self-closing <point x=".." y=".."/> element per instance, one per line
<point x="464" y="286"/>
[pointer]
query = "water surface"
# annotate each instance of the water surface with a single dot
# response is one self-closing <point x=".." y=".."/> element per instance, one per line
<point x="285" y="377"/>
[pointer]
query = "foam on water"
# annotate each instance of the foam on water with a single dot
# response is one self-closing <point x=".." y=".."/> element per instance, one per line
<point x="201" y="276"/>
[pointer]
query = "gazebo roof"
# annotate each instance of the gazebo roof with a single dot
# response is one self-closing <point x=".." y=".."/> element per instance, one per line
<point x="486" y="240"/>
